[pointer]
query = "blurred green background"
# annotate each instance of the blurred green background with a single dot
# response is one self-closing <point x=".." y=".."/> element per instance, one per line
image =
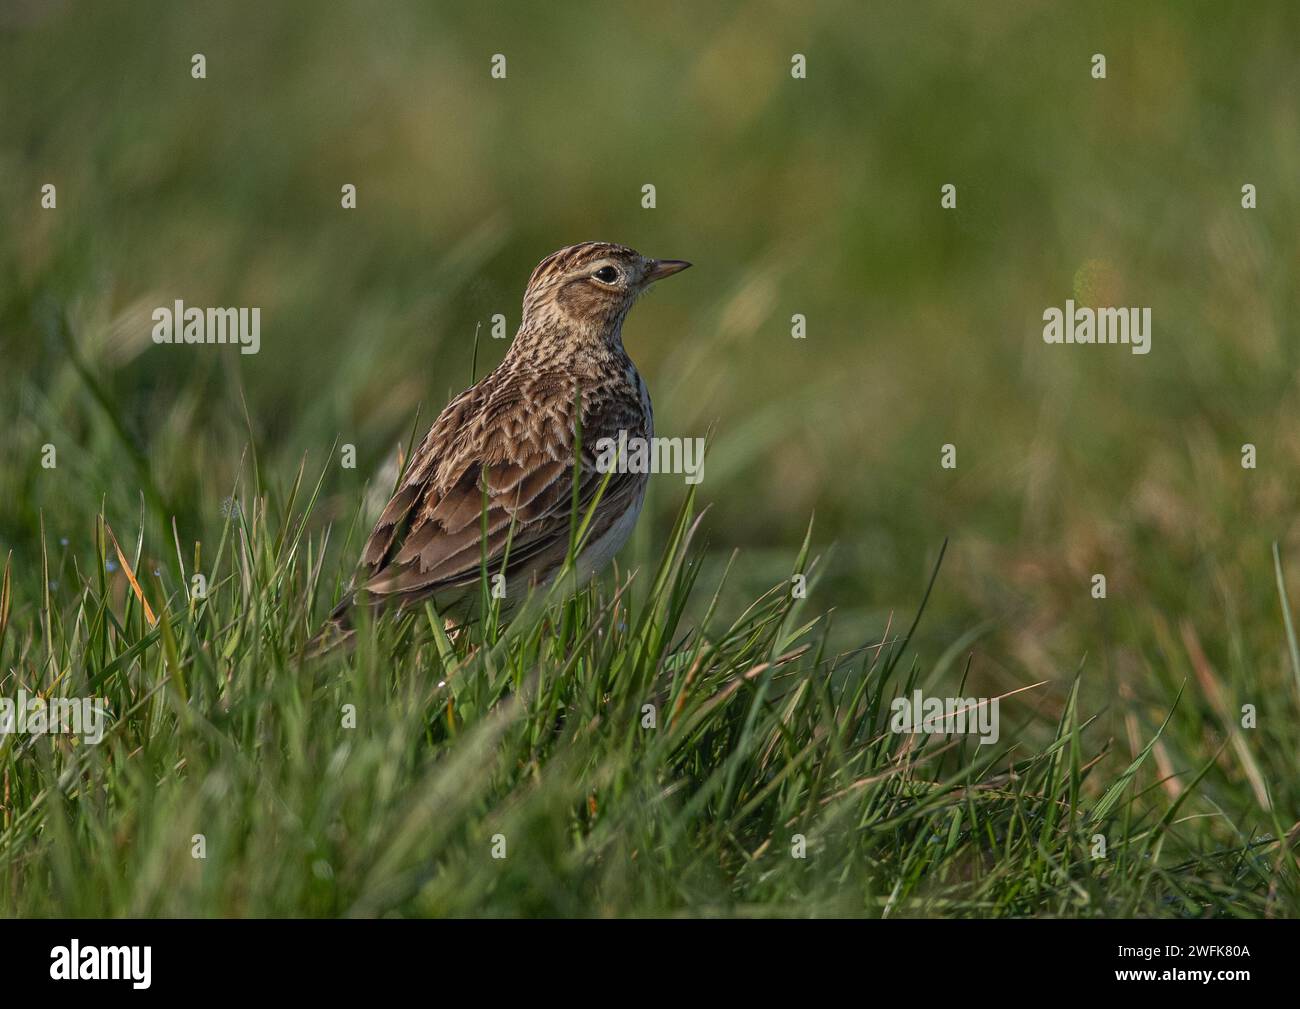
<point x="817" y="196"/>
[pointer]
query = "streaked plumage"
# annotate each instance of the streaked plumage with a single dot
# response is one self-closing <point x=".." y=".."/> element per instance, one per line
<point x="512" y="436"/>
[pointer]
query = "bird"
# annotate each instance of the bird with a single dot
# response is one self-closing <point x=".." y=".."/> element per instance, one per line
<point x="499" y="461"/>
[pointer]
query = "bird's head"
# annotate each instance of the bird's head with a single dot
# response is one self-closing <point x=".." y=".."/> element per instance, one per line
<point x="590" y="286"/>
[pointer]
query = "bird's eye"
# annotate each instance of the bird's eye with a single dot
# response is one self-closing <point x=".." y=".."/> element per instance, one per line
<point x="606" y="275"/>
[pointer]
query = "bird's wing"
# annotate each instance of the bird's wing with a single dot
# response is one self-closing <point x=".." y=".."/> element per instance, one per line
<point x="489" y="459"/>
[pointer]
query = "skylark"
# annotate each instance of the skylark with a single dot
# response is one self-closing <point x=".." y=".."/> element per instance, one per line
<point x="500" y="457"/>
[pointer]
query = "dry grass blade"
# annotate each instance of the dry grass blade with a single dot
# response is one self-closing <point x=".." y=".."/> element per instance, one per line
<point x="130" y="576"/>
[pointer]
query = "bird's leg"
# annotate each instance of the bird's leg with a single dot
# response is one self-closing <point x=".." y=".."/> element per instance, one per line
<point x="456" y="633"/>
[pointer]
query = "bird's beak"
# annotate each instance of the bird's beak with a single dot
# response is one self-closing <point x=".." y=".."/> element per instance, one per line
<point x="660" y="268"/>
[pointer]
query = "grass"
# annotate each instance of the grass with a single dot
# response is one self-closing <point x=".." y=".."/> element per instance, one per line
<point x="599" y="753"/>
<point x="1167" y="715"/>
